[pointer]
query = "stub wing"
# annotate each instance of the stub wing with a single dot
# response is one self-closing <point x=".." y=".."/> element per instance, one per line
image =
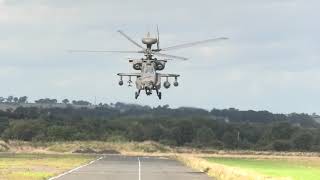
<point x="169" y="75"/>
<point x="129" y="74"/>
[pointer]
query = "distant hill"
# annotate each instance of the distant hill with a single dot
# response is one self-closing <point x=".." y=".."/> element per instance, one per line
<point x="185" y="126"/>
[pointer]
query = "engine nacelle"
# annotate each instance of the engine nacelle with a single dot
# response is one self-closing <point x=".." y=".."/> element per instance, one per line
<point x="176" y="83"/>
<point x="137" y="66"/>
<point x="166" y="84"/>
<point x="120" y="83"/>
<point x="160" y="65"/>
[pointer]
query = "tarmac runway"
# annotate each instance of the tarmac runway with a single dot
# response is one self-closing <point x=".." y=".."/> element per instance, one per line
<point x="117" y="167"/>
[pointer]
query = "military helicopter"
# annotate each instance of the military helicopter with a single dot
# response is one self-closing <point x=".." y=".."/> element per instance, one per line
<point x="149" y="79"/>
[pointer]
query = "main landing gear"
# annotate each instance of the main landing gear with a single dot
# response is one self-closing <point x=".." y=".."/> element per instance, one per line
<point x="159" y="94"/>
<point x="137" y="94"/>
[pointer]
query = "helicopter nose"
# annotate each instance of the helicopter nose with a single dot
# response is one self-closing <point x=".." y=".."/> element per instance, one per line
<point x="148" y="84"/>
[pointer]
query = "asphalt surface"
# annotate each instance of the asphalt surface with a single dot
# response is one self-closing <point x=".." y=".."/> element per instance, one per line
<point x="116" y="167"/>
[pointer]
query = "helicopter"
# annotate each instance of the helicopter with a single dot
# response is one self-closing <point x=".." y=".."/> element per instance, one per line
<point x="148" y="78"/>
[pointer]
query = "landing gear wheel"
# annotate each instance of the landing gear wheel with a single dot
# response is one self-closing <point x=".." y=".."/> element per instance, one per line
<point x="159" y="95"/>
<point x="136" y="95"/>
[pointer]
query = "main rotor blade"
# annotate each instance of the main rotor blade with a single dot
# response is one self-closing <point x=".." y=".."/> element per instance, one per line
<point x="131" y="40"/>
<point x="169" y="56"/>
<point x="186" y="45"/>
<point x="102" y="51"/>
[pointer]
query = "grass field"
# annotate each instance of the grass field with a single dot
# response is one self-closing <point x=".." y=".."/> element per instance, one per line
<point x="293" y="168"/>
<point x="37" y="166"/>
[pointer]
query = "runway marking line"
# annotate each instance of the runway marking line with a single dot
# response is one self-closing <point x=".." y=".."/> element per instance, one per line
<point x="72" y="170"/>
<point x="139" y="168"/>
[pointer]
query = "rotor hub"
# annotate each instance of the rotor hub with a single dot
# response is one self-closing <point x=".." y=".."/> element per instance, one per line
<point x="149" y="40"/>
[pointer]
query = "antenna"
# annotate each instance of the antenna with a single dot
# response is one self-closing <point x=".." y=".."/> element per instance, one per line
<point x="158" y="38"/>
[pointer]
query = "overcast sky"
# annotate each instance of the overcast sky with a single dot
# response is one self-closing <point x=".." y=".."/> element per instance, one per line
<point x="271" y="62"/>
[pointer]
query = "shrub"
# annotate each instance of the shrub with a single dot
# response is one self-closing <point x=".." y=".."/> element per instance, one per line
<point x="282" y="145"/>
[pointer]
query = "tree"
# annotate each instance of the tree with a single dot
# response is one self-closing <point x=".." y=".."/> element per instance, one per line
<point x="152" y="132"/>
<point x="204" y="136"/>
<point x="252" y="133"/>
<point x="2" y="99"/>
<point x="9" y="99"/>
<point x="15" y="99"/>
<point x="4" y="123"/>
<point x="65" y="101"/>
<point x="23" y="130"/>
<point x="182" y="133"/>
<point x="282" y="131"/>
<point x="61" y="133"/>
<point x="303" y="141"/>
<point x="47" y="101"/>
<point x="282" y="145"/>
<point x="176" y="127"/>
<point x="136" y="133"/>
<point x="81" y="103"/>
<point x="230" y="139"/>
<point x="23" y="99"/>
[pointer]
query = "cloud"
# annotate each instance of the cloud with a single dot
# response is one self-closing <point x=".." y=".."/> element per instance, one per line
<point x="270" y="62"/>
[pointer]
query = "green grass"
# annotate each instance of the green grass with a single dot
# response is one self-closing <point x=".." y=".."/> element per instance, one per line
<point x="294" y="168"/>
<point x="38" y="166"/>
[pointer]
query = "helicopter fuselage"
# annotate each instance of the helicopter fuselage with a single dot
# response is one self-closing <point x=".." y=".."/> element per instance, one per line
<point x="149" y="79"/>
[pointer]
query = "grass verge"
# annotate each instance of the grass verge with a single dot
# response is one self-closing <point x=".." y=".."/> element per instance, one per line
<point x="38" y="166"/>
<point x="86" y="147"/>
<point x="293" y="168"/>
<point x="223" y="172"/>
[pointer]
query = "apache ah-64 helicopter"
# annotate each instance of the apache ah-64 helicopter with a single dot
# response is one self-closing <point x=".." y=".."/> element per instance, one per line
<point x="148" y="79"/>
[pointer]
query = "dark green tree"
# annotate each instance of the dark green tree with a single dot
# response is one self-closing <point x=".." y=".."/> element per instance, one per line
<point x="229" y="139"/>
<point x="15" y="99"/>
<point x="65" y="101"/>
<point x="10" y="99"/>
<point x="303" y="141"/>
<point x="205" y="137"/>
<point x="282" y="130"/>
<point x="23" y="99"/>
<point x="282" y="145"/>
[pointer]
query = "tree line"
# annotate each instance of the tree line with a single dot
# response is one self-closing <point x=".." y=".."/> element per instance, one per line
<point x="24" y="100"/>
<point x="185" y="126"/>
<point x="12" y="99"/>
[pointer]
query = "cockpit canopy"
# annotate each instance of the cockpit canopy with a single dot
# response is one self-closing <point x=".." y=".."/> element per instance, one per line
<point x="148" y="68"/>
